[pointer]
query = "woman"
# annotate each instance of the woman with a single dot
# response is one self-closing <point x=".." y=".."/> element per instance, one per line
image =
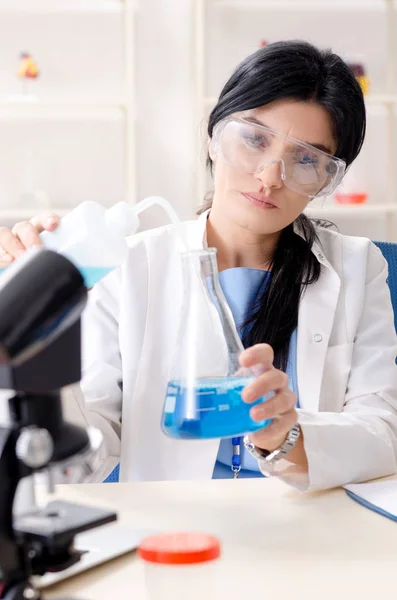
<point x="312" y="306"/>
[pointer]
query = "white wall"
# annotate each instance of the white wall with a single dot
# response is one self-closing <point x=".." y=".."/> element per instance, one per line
<point x="80" y="154"/>
<point x="61" y="154"/>
<point x="66" y="155"/>
<point x="166" y="103"/>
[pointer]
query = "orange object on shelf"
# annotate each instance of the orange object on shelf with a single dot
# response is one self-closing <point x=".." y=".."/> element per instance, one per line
<point x="351" y="198"/>
<point x="28" y="69"/>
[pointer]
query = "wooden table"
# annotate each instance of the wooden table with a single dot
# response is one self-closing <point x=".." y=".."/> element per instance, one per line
<point x="277" y="543"/>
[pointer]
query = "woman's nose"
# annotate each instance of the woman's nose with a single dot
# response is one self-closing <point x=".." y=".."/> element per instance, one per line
<point x="272" y="174"/>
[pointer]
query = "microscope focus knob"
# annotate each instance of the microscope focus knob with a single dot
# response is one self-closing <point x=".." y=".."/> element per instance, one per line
<point x="34" y="447"/>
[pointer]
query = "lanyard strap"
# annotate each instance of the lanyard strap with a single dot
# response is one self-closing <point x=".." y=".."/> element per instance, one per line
<point x="236" y="458"/>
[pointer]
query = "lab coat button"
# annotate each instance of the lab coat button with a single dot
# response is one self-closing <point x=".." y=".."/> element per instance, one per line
<point x="318" y="337"/>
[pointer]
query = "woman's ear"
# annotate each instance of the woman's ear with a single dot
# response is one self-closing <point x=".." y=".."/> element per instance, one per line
<point x="212" y="149"/>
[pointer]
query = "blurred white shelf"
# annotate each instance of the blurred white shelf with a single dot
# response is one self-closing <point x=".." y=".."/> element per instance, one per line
<point x="32" y="102"/>
<point x="351" y="210"/>
<point x="63" y="109"/>
<point x="112" y="105"/>
<point x="371" y="99"/>
<point x="381" y="99"/>
<point x="34" y="7"/>
<point x="317" y="5"/>
<point x="27" y="213"/>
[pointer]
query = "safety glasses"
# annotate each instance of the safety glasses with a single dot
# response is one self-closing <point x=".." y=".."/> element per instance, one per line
<point x="252" y="148"/>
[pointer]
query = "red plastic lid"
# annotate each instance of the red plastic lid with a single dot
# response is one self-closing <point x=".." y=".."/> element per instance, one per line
<point x="179" y="548"/>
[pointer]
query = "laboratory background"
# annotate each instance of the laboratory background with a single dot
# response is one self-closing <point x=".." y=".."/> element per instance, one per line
<point x="107" y="100"/>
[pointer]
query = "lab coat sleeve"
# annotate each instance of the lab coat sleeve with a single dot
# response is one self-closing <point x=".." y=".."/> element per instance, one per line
<point x="360" y="443"/>
<point x="97" y="400"/>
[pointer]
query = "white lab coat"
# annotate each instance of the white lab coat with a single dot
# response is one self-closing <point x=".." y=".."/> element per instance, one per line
<point x="346" y="347"/>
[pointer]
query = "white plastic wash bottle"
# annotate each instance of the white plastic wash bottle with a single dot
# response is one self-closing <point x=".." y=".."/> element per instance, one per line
<point x="94" y="237"/>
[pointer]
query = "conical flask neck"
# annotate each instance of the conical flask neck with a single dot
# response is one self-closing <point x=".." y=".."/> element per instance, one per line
<point x="201" y="270"/>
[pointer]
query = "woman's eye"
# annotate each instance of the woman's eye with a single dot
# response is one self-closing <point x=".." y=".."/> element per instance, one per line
<point x="307" y="161"/>
<point x="331" y="168"/>
<point x="255" y="141"/>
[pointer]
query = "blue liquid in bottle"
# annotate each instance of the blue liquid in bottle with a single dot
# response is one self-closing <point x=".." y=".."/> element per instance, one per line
<point x="91" y="275"/>
<point x="212" y="409"/>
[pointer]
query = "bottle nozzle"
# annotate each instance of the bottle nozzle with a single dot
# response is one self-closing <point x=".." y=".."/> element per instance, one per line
<point x="123" y="218"/>
<point x="159" y="201"/>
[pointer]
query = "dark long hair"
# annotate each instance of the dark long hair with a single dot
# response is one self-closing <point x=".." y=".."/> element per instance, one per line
<point x="292" y="70"/>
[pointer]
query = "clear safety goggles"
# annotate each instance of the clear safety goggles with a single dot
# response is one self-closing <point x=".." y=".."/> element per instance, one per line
<point x="252" y="148"/>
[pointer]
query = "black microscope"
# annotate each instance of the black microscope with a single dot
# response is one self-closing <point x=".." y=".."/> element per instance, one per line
<point x="42" y="297"/>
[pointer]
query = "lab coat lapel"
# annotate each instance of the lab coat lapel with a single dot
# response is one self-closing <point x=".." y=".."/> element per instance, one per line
<point x="315" y="322"/>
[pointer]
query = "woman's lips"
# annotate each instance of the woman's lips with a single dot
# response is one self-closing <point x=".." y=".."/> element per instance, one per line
<point x="260" y="201"/>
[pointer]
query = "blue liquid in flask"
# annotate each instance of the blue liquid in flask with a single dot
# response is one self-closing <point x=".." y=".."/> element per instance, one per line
<point x="213" y="408"/>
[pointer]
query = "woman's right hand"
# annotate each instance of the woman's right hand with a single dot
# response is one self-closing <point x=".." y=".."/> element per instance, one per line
<point x="14" y="242"/>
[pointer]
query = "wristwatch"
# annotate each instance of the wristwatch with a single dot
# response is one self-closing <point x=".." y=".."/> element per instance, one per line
<point x="269" y="459"/>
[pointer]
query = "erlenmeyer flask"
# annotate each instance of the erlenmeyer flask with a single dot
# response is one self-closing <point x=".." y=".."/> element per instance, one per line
<point x="204" y="391"/>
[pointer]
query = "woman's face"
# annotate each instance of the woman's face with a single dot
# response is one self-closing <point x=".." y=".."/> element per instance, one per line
<point x="261" y="202"/>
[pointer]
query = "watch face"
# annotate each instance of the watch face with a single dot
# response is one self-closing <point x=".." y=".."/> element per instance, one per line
<point x="269" y="459"/>
<point x="257" y="453"/>
<point x="248" y="444"/>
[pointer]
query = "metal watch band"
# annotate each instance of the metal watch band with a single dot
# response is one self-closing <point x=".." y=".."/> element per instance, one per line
<point x="272" y="457"/>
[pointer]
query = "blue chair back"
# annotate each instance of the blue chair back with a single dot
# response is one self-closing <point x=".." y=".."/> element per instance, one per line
<point x="114" y="475"/>
<point x="389" y="251"/>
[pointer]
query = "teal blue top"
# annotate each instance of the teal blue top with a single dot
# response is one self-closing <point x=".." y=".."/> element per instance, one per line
<point x="241" y="286"/>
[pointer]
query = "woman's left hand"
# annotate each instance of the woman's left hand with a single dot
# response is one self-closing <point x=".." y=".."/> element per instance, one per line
<point x="280" y="408"/>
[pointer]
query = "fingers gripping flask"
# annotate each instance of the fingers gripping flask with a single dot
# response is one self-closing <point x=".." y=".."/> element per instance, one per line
<point x="203" y="397"/>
